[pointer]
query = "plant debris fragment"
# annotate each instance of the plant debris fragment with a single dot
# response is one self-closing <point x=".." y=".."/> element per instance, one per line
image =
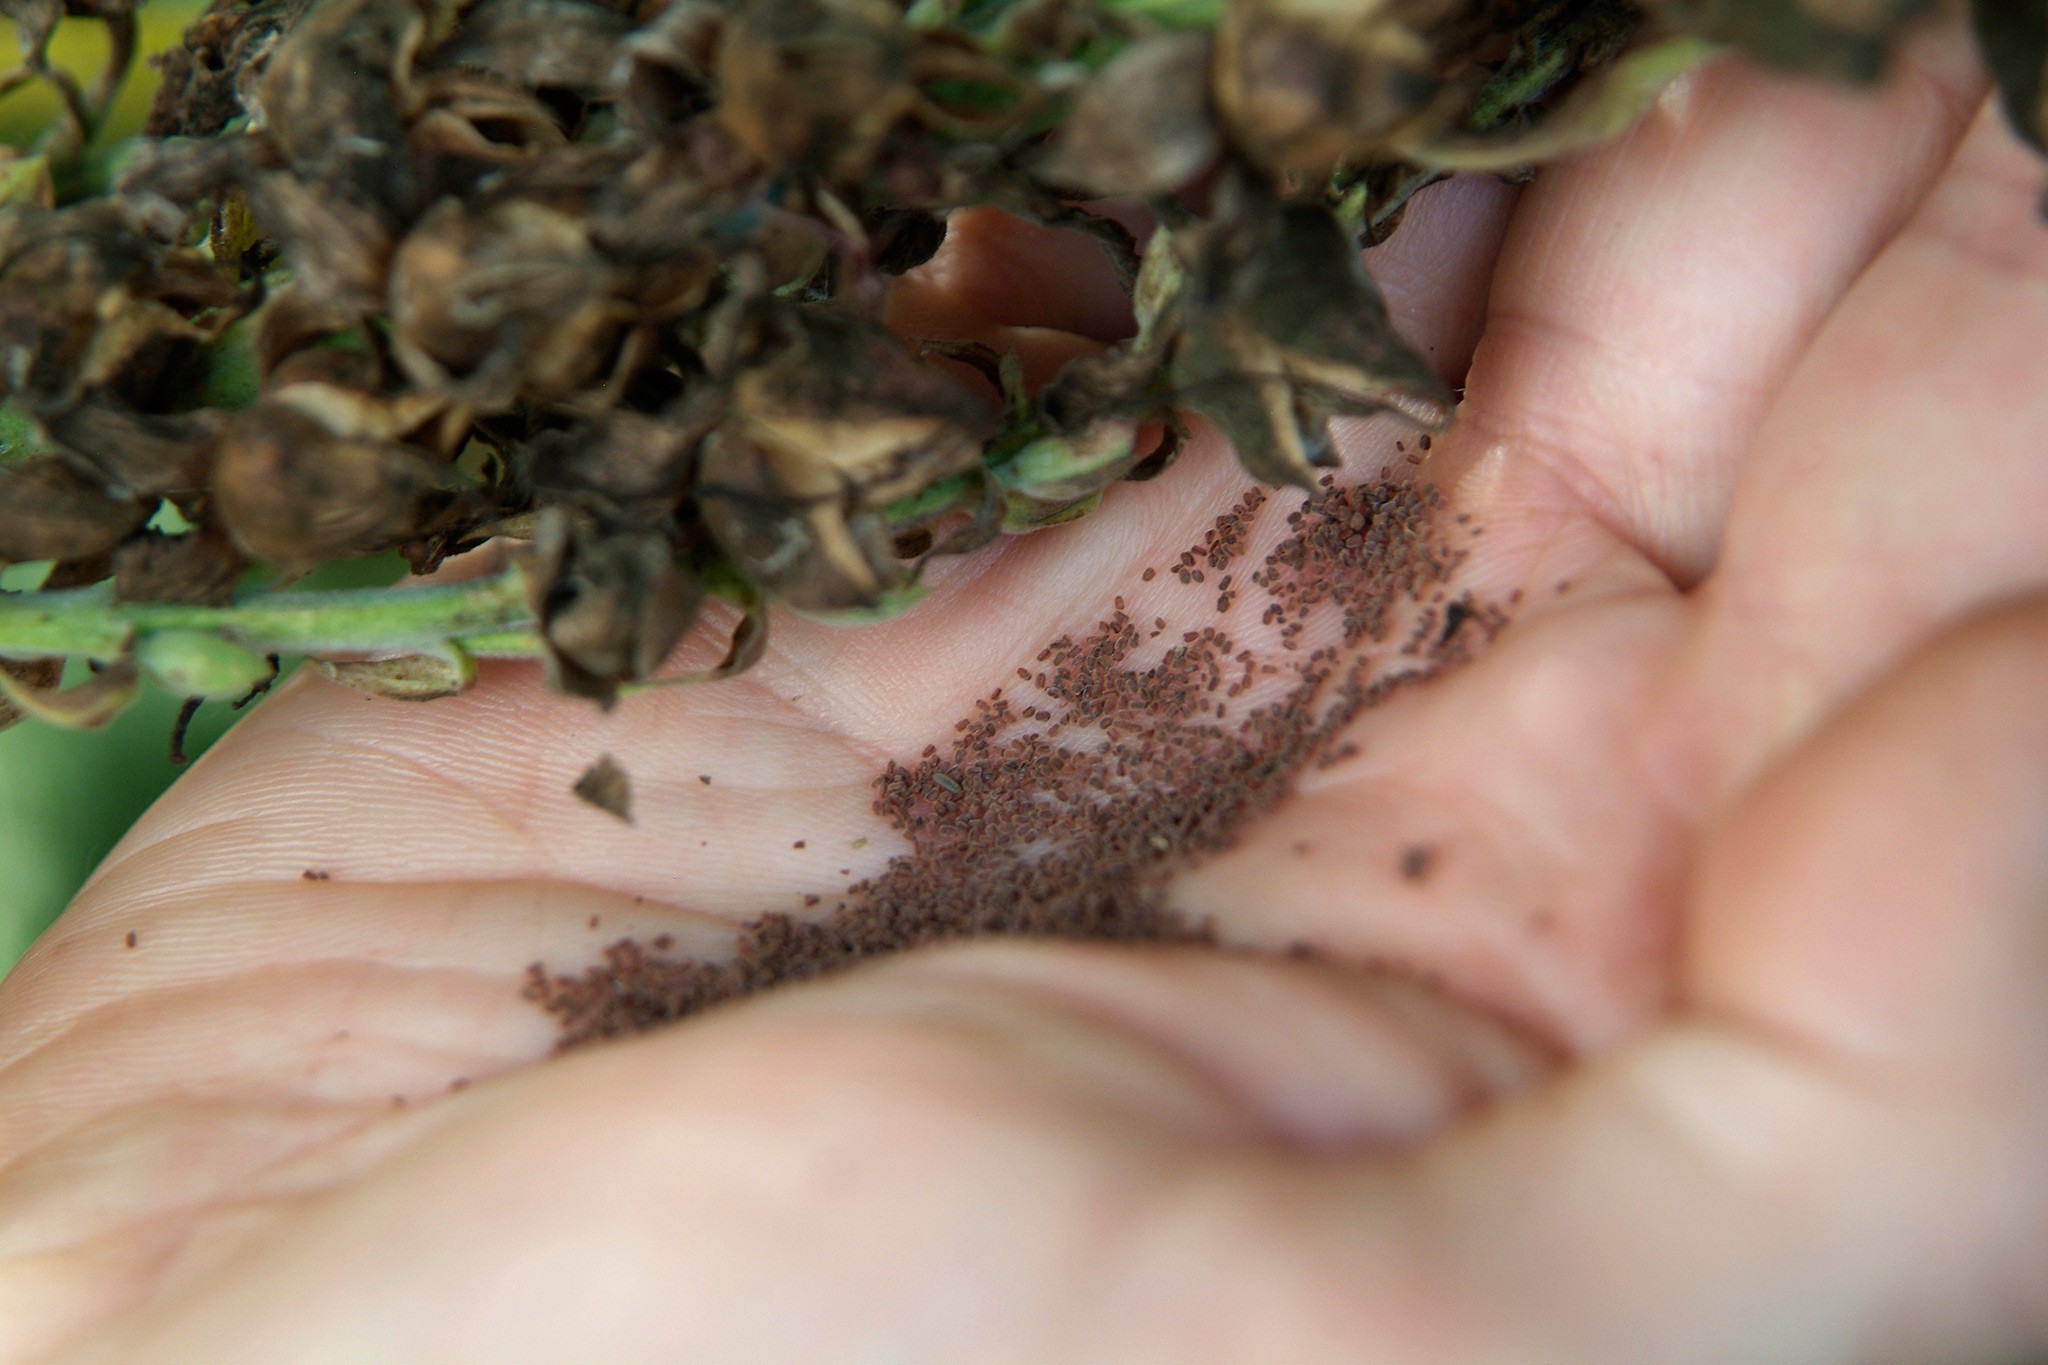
<point x="609" y="277"/>
<point x="604" y="784"/>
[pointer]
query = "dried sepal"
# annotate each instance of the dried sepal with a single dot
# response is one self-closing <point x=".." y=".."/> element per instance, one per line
<point x="86" y="705"/>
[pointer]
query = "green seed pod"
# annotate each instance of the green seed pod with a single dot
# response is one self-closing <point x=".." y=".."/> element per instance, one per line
<point x="198" y="663"/>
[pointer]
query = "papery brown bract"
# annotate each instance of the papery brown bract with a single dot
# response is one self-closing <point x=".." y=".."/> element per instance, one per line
<point x="812" y="85"/>
<point x="201" y="566"/>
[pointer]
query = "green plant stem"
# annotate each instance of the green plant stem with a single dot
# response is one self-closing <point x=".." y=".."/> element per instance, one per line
<point x="488" y="616"/>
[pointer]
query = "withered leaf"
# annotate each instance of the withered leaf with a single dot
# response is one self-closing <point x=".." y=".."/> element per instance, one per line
<point x="37" y="674"/>
<point x="85" y="705"/>
<point x="604" y="784"/>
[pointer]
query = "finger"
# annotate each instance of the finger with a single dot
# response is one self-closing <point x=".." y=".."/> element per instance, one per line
<point x="1651" y="295"/>
<point x="935" y="1161"/>
<point x="1898" y="484"/>
<point x="1835" y="1153"/>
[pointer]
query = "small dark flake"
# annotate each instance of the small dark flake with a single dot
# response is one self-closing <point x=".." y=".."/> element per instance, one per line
<point x="314" y="874"/>
<point x="131" y="938"/>
<point x="1417" y="861"/>
<point x="604" y="784"/>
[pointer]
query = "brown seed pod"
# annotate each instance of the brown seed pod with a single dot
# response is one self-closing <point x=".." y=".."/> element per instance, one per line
<point x="293" y="493"/>
<point x="49" y="510"/>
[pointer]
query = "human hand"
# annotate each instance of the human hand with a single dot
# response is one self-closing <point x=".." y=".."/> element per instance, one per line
<point x="1708" y="1024"/>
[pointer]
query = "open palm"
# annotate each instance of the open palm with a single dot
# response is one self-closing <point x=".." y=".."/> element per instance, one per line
<point x="1676" y="995"/>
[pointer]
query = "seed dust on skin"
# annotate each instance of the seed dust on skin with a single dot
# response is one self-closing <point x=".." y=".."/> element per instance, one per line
<point x="1066" y="815"/>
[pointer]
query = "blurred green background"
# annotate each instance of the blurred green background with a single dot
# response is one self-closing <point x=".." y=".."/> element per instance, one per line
<point x="67" y="796"/>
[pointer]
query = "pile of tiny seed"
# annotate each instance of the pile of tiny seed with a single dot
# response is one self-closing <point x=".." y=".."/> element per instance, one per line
<point x="1063" y="814"/>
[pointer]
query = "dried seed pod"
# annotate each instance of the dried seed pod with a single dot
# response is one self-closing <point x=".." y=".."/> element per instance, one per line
<point x="49" y="510"/>
<point x="201" y="567"/>
<point x="563" y="45"/>
<point x="293" y="493"/>
<point x="510" y="304"/>
<point x="1143" y="124"/>
<point x="1303" y="86"/>
<point x="812" y="85"/>
<point x="831" y="423"/>
<point x="611" y="602"/>
<point x="143" y="455"/>
<point x="1278" y="330"/>
<point x="87" y="299"/>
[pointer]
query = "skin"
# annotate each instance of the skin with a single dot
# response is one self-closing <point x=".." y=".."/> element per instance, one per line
<point x="1737" y="1047"/>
